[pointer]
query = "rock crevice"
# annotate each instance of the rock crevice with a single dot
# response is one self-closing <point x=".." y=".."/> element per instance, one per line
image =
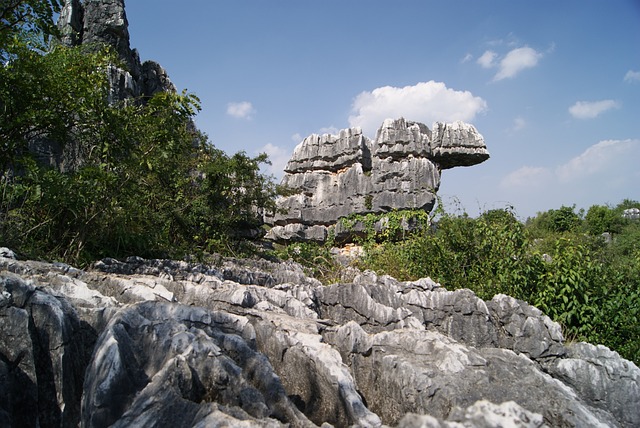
<point x="260" y="344"/>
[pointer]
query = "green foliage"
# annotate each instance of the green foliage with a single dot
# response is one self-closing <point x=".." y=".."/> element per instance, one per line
<point x="391" y="226"/>
<point x="626" y="204"/>
<point x="590" y="287"/>
<point x="487" y="254"/>
<point x="317" y="258"/>
<point x="601" y="219"/>
<point x="368" y="202"/>
<point x="564" y="219"/>
<point x="26" y="20"/>
<point x="147" y="184"/>
<point x="59" y="96"/>
<point x="568" y="288"/>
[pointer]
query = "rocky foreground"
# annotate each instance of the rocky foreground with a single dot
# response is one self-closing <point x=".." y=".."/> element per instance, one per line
<point x="246" y="343"/>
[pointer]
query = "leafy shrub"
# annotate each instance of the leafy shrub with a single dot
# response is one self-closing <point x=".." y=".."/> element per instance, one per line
<point x="591" y="288"/>
<point x="601" y="219"/>
<point x="145" y="182"/>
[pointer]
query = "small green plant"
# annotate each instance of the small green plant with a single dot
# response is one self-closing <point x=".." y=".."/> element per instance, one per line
<point x="315" y="257"/>
<point x="389" y="226"/>
<point x="368" y="202"/>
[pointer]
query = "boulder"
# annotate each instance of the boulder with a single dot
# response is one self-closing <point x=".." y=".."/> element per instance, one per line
<point x="158" y="364"/>
<point x="333" y="176"/>
<point x="258" y="343"/>
<point x="43" y="355"/>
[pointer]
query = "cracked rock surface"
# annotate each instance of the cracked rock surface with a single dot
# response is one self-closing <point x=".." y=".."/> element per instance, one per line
<point x="334" y="176"/>
<point x="254" y="343"/>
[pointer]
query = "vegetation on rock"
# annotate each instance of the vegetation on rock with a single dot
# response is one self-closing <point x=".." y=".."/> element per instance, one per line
<point x="557" y="261"/>
<point x="143" y="180"/>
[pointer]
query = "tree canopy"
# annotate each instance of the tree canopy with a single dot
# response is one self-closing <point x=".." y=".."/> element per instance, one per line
<point x="83" y="178"/>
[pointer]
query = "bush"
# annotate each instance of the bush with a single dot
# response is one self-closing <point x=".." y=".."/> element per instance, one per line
<point x="144" y="182"/>
<point x="591" y="288"/>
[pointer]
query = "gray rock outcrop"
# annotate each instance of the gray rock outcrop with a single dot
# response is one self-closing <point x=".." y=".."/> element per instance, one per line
<point x="104" y="22"/>
<point x="631" y="214"/>
<point x="92" y="24"/>
<point x="334" y="176"/>
<point x="255" y="343"/>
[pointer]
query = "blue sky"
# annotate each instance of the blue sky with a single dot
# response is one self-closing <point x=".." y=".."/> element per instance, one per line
<point x="553" y="86"/>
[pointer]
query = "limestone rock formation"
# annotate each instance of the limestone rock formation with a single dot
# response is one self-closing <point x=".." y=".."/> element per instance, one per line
<point x="333" y="176"/>
<point x="631" y="213"/>
<point x="254" y="343"/>
<point x="104" y="22"/>
<point x="93" y="23"/>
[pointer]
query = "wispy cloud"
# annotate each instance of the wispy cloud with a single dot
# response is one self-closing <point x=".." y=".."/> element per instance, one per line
<point x="527" y="177"/>
<point x="591" y="109"/>
<point x="605" y="156"/>
<point x="603" y="173"/>
<point x="486" y="60"/>
<point x="602" y="167"/>
<point x="632" y="76"/>
<point x="518" y="124"/>
<point x="328" y="130"/>
<point x="515" y="61"/>
<point x="468" y="57"/>
<point x="425" y="102"/>
<point x="509" y="65"/>
<point x="241" y="110"/>
<point x="278" y="156"/>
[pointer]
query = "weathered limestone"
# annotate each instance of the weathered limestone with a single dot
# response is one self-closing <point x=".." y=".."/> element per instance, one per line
<point x="104" y="22"/>
<point x="333" y="176"/>
<point x="256" y="343"/>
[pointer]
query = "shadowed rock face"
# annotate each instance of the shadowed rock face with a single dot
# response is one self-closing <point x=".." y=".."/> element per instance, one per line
<point x="248" y="343"/>
<point x="333" y="176"/>
<point x="104" y="22"/>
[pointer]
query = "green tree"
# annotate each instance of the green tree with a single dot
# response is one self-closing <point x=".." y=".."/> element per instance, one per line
<point x="564" y="219"/>
<point x="601" y="219"/>
<point x="144" y="181"/>
<point x="26" y="20"/>
<point x="59" y="97"/>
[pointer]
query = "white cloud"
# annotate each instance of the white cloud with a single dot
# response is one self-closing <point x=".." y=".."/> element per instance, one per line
<point x="487" y="58"/>
<point x="329" y="130"/>
<point x="425" y="102"/>
<point x="518" y="124"/>
<point x="241" y="110"/>
<point x="517" y="60"/>
<point x="526" y="177"/>
<point x="278" y="156"/>
<point x="632" y="76"/>
<point x="604" y="156"/>
<point x="591" y="109"/>
<point x="606" y="172"/>
<point x="297" y="137"/>
<point x="468" y="57"/>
